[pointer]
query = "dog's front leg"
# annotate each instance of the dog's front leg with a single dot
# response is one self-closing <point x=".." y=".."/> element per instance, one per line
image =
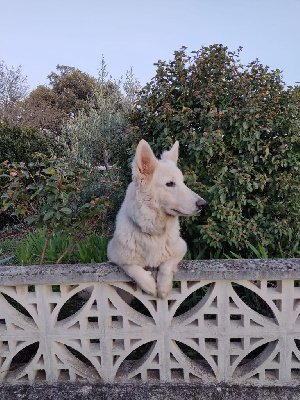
<point x="143" y="278"/>
<point x="165" y="277"/>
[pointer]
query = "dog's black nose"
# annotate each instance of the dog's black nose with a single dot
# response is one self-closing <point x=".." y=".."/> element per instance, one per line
<point x="201" y="203"/>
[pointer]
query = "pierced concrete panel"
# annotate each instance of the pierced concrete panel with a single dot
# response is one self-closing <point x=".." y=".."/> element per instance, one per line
<point x="218" y="330"/>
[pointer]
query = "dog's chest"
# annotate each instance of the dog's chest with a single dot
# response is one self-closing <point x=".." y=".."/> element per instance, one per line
<point x="156" y="249"/>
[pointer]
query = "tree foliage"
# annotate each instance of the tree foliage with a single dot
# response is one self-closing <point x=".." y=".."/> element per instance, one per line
<point x="96" y="139"/>
<point x="40" y="110"/>
<point x="73" y="88"/>
<point x="238" y="128"/>
<point x="48" y="108"/>
<point x="13" y="88"/>
<point x="19" y="143"/>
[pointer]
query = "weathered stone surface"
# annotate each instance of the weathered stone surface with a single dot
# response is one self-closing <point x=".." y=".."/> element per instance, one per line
<point x="192" y="270"/>
<point x="148" y="391"/>
<point x="62" y="273"/>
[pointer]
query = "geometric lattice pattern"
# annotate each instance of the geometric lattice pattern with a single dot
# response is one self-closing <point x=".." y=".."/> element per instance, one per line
<point x="220" y="330"/>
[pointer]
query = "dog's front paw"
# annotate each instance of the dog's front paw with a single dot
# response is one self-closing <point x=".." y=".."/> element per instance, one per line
<point x="164" y="281"/>
<point x="149" y="287"/>
<point x="164" y="288"/>
<point x="143" y="278"/>
<point x="163" y="294"/>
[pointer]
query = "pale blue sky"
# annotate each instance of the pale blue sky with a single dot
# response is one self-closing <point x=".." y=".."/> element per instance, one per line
<point x="39" y="34"/>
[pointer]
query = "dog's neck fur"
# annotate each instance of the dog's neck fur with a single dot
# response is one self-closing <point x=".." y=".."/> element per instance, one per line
<point x="157" y="220"/>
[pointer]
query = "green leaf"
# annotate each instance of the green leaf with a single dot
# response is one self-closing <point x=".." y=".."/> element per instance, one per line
<point x="31" y="187"/>
<point x="234" y="255"/>
<point x="51" y="198"/>
<point x="257" y="135"/>
<point x="223" y="198"/>
<point x="260" y="252"/>
<point x="5" y="260"/>
<point x="48" y="215"/>
<point x="51" y="184"/>
<point x="66" y="210"/>
<point x="245" y="125"/>
<point x="6" y="206"/>
<point x="49" y="171"/>
<point x="32" y="219"/>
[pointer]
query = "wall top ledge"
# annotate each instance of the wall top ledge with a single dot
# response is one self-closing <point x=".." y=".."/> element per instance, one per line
<point x="270" y="269"/>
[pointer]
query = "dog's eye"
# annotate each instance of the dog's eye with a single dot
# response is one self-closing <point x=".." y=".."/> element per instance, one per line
<point x="170" y="184"/>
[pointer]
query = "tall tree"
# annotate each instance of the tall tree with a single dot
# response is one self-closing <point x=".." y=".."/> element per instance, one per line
<point x="48" y="108"/>
<point x="97" y="139"/>
<point x="13" y="88"/>
<point x="73" y="88"/>
<point x="41" y="110"/>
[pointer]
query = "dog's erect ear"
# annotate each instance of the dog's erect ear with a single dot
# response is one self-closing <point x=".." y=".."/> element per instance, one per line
<point x="171" y="155"/>
<point x="145" y="161"/>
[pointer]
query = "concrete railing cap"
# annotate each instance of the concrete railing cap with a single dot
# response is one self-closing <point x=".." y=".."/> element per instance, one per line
<point x="188" y="270"/>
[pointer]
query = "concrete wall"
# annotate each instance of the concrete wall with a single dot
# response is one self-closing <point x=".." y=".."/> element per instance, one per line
<point x="73" y="331"/>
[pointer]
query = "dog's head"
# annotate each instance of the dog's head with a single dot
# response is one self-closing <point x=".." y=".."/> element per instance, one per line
<point x="162" y="182"/>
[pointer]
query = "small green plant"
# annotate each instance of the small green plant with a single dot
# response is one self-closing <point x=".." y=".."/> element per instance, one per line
<point x="7" y="251"/>
<point x="294" y="252"/>
<point x="204" y="254"/>
<point x="29" y="250"/>
<point x="5" y="260"/>
<point x="261" y="252"/>
<point x="92" y="250"/>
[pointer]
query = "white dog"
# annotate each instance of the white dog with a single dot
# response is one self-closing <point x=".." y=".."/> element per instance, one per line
<point x="147" y="225"/>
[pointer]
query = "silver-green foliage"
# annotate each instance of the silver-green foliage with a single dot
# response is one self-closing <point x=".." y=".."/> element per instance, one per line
<point x="94" y="138"/>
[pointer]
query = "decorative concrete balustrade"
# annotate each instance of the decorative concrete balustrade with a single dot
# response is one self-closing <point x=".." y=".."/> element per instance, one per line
<point x="90" y="323"/>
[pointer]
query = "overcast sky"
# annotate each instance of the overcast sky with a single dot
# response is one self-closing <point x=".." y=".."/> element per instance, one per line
<point x="39" y="34"/>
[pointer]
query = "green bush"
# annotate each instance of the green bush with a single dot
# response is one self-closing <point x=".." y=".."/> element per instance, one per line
<point x="18" y="144"/>
<point x="96" y="141"/>
<point x="46" y="194"/>
<point x="238" y="128"/>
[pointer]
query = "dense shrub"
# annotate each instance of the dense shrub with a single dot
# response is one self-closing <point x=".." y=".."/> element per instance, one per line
<point x="96" y="140"/>
<point x="19" y="143"/>
<point x="238" y="128"/>
<point x="46" y="193"/>
<point x="93" y="138"/>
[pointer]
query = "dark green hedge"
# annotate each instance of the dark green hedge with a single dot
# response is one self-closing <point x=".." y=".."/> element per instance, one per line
<point x="238" y="128"/>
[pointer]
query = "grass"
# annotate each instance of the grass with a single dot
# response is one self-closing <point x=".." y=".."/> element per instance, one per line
<point x="27" y="250"/>
<point x="8" y="251"/>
